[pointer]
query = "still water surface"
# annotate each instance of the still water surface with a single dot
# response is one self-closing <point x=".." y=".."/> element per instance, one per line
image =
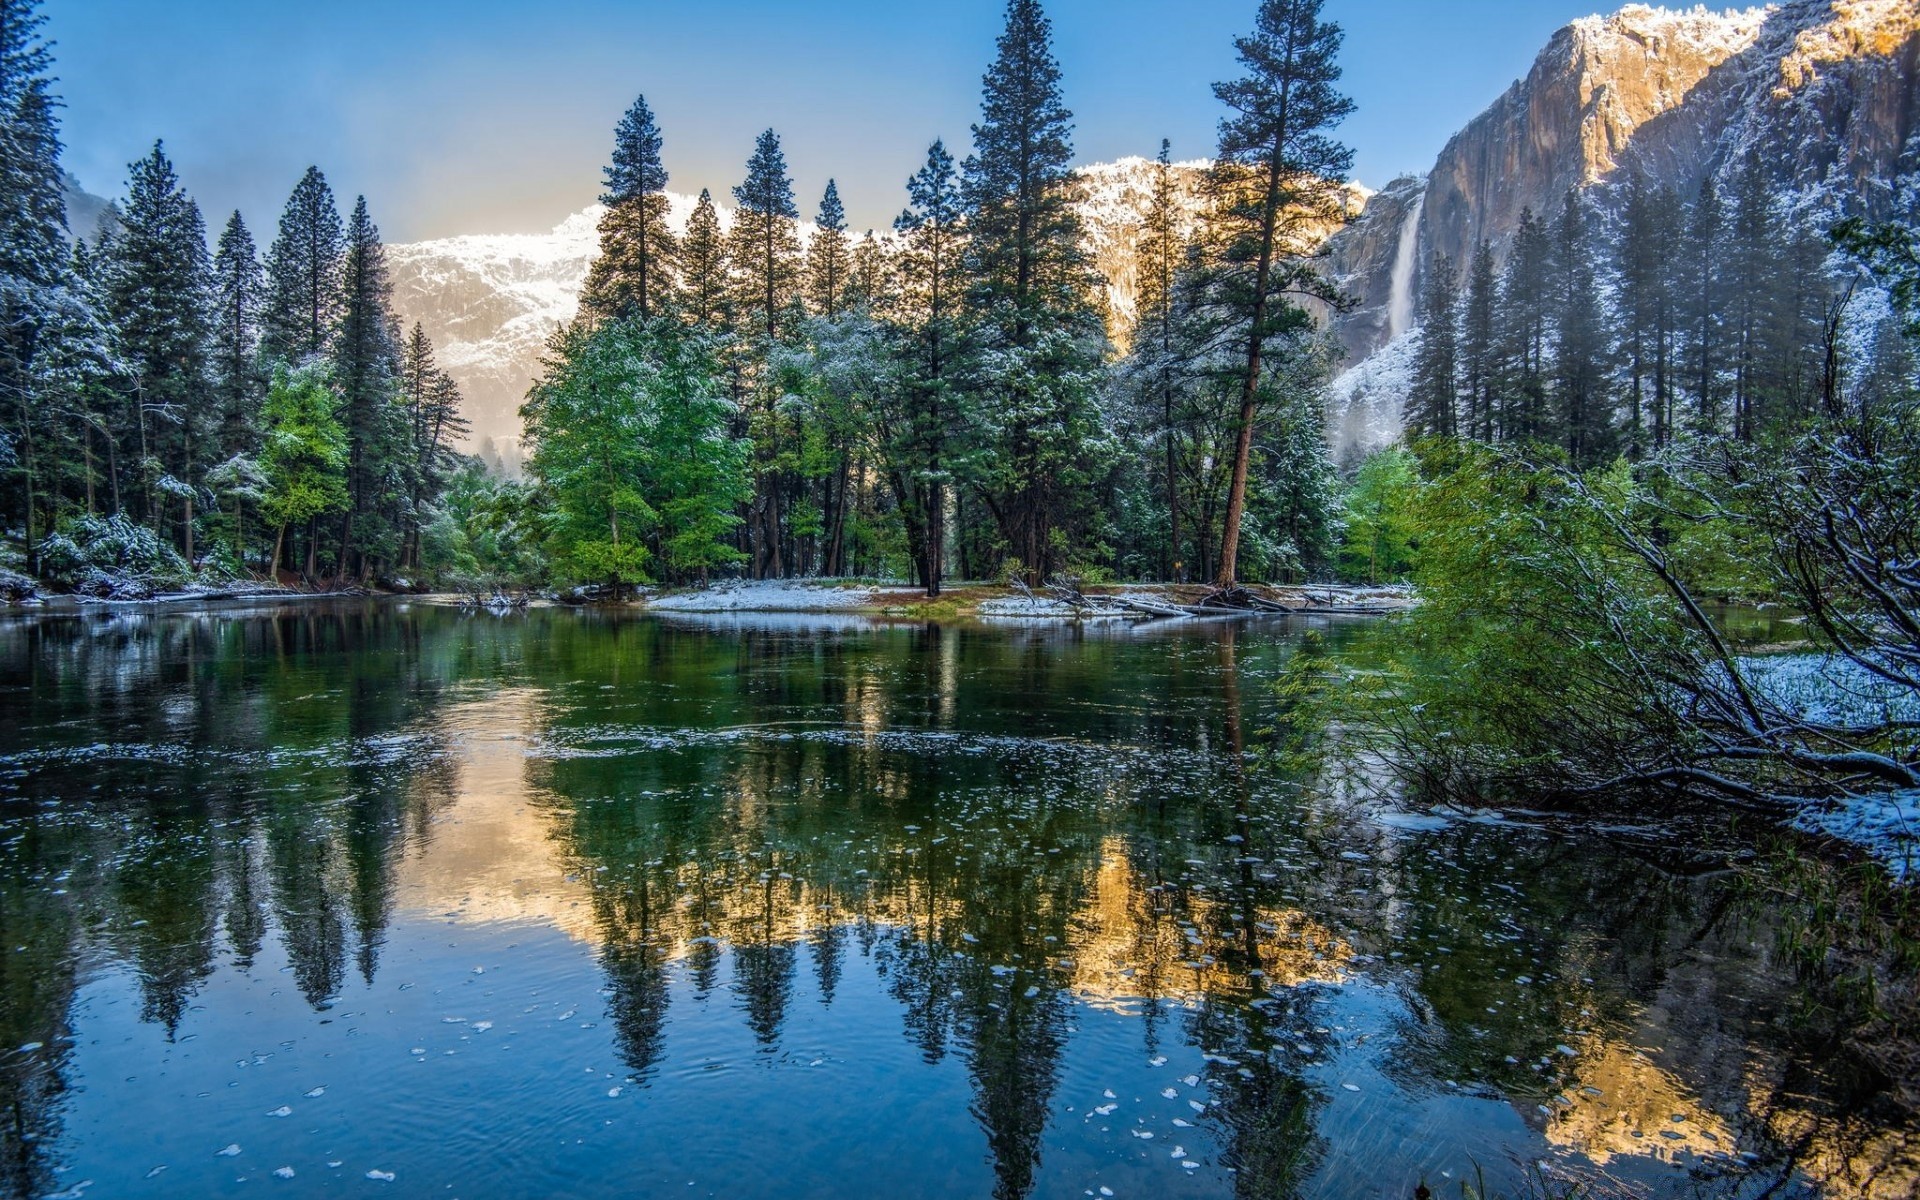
<point x="381" y="899"/>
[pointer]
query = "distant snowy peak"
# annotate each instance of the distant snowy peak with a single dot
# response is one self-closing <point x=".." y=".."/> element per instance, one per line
<point x="491" y="301"/>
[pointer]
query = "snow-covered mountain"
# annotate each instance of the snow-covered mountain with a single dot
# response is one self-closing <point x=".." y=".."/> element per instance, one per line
<point x="490" y="301"/>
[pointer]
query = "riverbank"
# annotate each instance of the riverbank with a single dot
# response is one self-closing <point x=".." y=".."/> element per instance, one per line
<point x="977" y="601"/>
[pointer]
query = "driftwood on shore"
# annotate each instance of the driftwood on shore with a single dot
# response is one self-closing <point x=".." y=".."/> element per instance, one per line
<point x="1217" y="602"/>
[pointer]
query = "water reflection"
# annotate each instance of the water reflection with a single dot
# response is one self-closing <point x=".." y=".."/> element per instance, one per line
<point x="1047" y="859"/>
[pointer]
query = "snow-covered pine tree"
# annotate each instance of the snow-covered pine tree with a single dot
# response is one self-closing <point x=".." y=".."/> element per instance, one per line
<point x="239" y="384"/>
<point x="155" y="274"/>
<point x="1647" y="258"/>
<point x="867" y="272"/>
<point x="365" y="372"/>
<point x="1479" y="347"/>
<point x="1584" y="404"/>
<point x="1038" y="338"/>
<point x="1433" y="403"/>
<point x="1526" y="329"/>
<point x="38" y="304"/>
<point x="303" y="274"/>
<point x="633" y="276"/>
<point x="1700" y="307"/>
<point x="1276" y="180"/>
<point x="828" y="260"/>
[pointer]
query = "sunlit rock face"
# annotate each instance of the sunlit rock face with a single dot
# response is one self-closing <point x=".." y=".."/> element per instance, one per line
<point x="1825" y="92"/>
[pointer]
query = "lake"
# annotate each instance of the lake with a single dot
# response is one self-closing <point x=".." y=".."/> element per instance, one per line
<point x="379" y="898"/>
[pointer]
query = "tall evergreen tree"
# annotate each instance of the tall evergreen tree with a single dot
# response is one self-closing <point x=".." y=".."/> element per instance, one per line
<point x="704" y="285"/>
<point x="1038" y="338"/>
<point x="431" y="401"/>
<point x="867" y="272"/>
<point x="915" y="438"/>
<point x="40" y="308"/>
<point x="828" y="257"/>
<point x="1433" y="405"/>
<point x="1750" y="265"/>
<point x="156" y="276"/>
<point x="365" y="372"/>
<point x="303" y="274"/>
<point x="1479" y="345"/>
<point x="1647" y="257"/>
<point x="1583" y="349"/>
<point x="1526" y="328"/>
<point x="1276" y="180"/>
<point x="1701" y="308"/>
<point x="633" y="275"/>
<point x="239" y="384"/>
<point x="1162" y="252"/>
<point x="764" y="250"/>
<point x="764" y="244"/>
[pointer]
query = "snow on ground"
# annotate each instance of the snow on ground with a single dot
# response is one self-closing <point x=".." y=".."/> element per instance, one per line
<point x="1887" y="826"/>
<point x="771" y="596"/>
<point x="1024" y="606"/>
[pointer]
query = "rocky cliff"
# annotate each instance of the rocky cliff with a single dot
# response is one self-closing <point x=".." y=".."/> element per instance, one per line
<point x="1826" y="91"/>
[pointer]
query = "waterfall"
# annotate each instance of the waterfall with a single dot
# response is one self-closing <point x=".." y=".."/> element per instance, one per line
<point x="1405" y="259"/>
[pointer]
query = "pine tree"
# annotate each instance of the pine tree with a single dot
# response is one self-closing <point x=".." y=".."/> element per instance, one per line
<point x="1479" y="346"/>
<point x="239" y="291"/>
<point x="704" y="284"/>
<point x="1038" y="338"/>
<point x="1276" y="179"/>
<point x="156" y="274"/>
<point x="867" y="272"/>
<point x="633" y="275"/>
<point x="1162" y="251"/>
<point x="915" y="440"/>
<point x="764" y="245"/>
<point x="828" y="258"/>
<point x="303" y="275"/>
<point x="1699" y="281"/>
<point x="42" y="312"/>
<point x="365" y="372"/>
<point x="1751" y="264"/>
<point x="1584" y="348"/>
<point x="1433" y="405"/>
<point x="1526" y="307"/>
<point x="1646" y="256"/>
<point x="764" y="251"/>
<point x="431" y="401"/>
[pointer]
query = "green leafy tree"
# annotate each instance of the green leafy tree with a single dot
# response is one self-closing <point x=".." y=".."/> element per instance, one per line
<point x="631" y="453"/>
<point x="1378" y="535"/>
<point x="304" y="458"/>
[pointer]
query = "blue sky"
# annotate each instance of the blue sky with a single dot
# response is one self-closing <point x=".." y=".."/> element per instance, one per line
<point x="465" y="116"/>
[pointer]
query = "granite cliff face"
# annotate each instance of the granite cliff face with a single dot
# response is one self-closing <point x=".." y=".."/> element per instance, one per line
<point x="1827" y="92"/>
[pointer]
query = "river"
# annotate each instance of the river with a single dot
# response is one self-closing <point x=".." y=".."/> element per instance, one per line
<point x="380" y="898"/>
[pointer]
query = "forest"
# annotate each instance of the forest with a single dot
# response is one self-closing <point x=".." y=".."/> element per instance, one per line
<point x="950" y="400"/>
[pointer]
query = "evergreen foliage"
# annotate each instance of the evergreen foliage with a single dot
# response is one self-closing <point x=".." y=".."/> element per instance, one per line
<point x="303" y="274"/>
<point x="633" y="275"/>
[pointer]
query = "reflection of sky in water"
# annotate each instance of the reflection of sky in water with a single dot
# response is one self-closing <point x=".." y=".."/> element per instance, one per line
<point x="570" y="905"/>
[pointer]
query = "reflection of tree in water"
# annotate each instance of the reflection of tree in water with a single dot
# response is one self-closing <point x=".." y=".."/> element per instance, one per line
<point x="38" y="931"/>
<point x="764" y="959"/>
